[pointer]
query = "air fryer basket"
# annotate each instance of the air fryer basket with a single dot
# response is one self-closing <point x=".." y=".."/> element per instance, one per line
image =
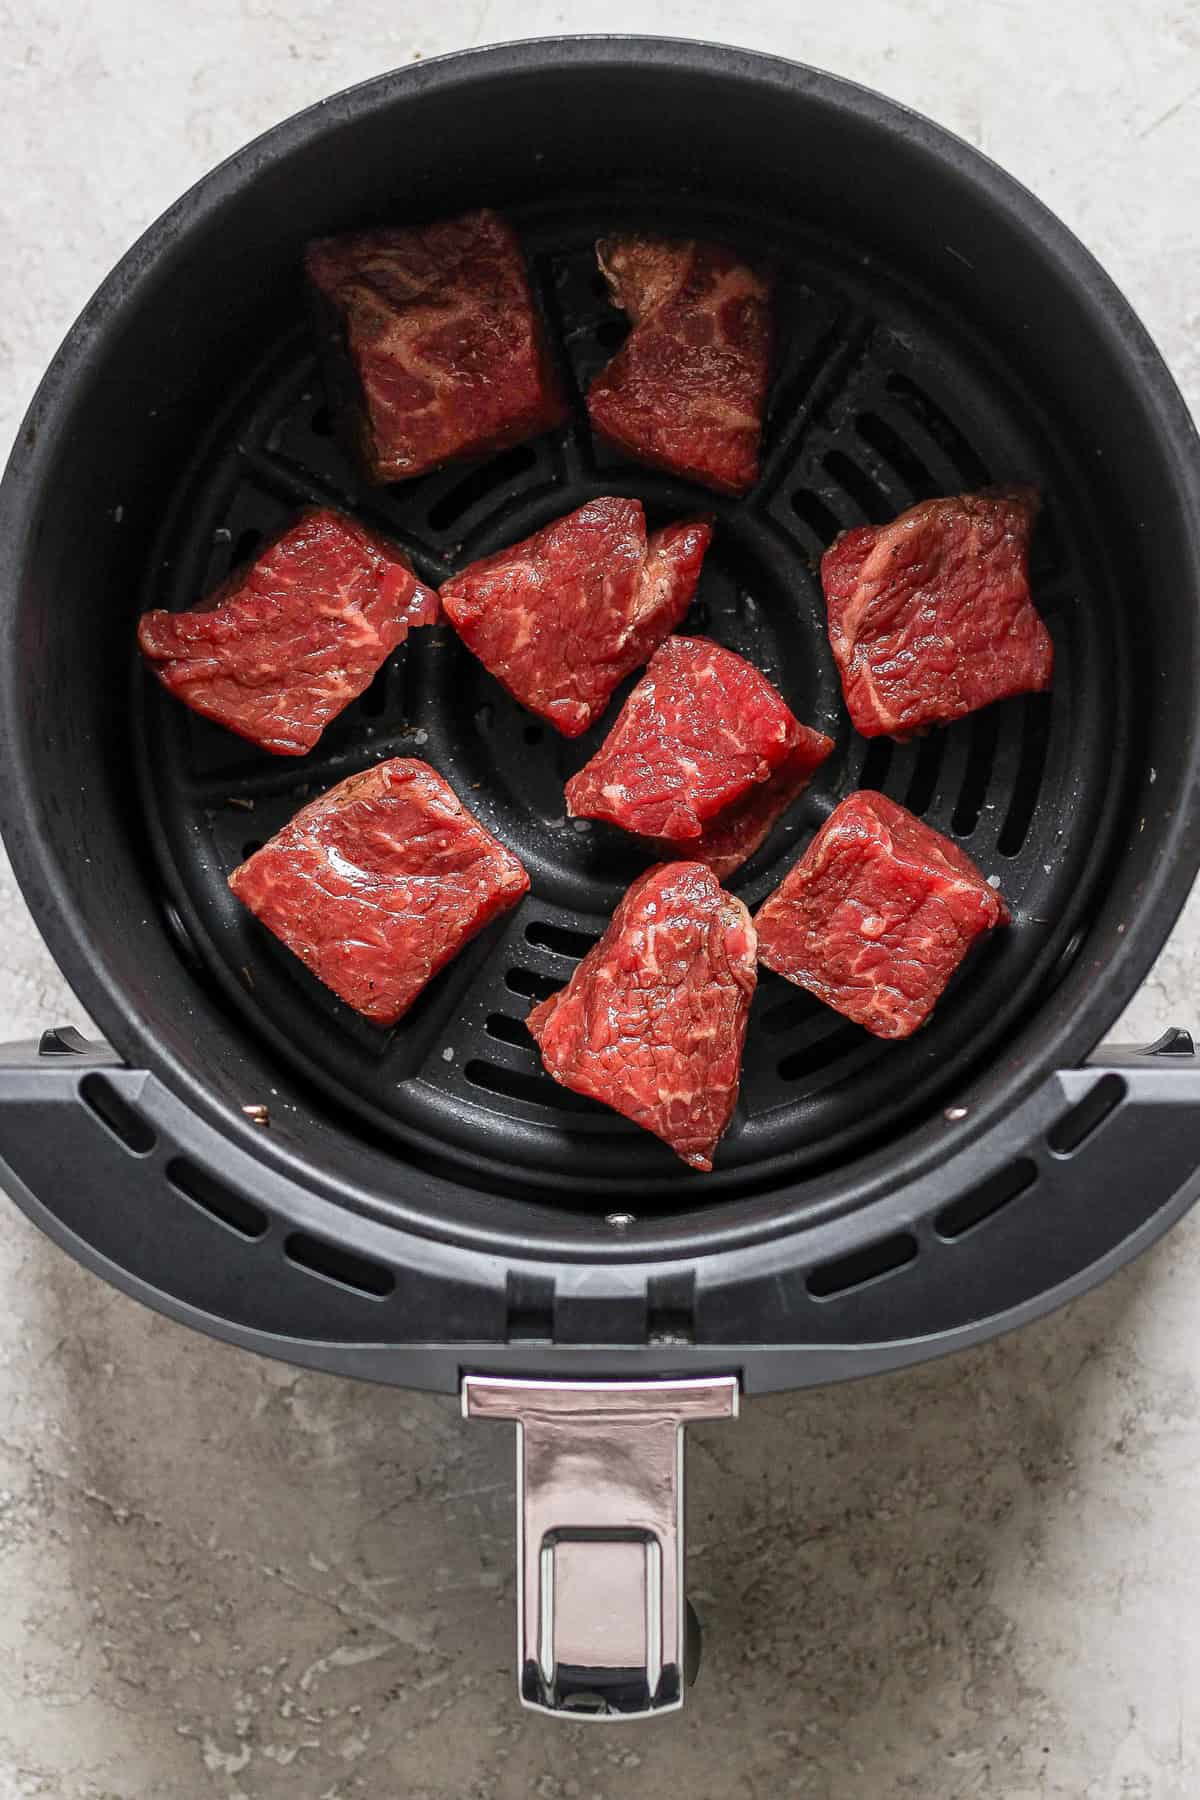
<point x="424" y="1204"/>
<point x="881" y="400"/>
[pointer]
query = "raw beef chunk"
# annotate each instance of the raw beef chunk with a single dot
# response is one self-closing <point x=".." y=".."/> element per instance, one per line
<point x="563" y="617"/>
<point x="701" y="727"/>
<point x="688" y="388"/>
<point x="447" y="343"/>
<point x="654" y="1018"/>
<point x="877" y="915"/>
<point x="930" y="617"/>
<point x="734" y="835"/>
<point x="379" y="883"/>
<point x="283" y="645"/>
<point x="704" y="756"/>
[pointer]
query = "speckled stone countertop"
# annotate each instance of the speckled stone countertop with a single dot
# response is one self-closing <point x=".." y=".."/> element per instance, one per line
<point x="219" y="1576"/>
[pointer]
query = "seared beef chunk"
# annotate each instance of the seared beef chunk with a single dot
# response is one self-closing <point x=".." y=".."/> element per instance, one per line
<point x="877" y="915"/>
<point x="283" y="645"/>
<point x="448" y="346"/>
<point x="563" y="617"/>
<point x="379" y="883"/>
<point x="688" y="389"/>
<point x="693" y="756"/>
<point x="654" y="1018"/>
<point x="931" y="617"/>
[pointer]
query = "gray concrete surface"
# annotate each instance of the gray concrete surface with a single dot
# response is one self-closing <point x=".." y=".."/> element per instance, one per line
<point x="219" y="1576"/>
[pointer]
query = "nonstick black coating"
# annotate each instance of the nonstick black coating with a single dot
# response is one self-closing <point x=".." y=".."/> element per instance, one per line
<point x="880" y="401"/>
<point x="938" y="329"/>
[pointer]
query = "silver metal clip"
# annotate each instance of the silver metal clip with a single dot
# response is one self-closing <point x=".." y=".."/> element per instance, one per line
<point x="601" y="1612"/>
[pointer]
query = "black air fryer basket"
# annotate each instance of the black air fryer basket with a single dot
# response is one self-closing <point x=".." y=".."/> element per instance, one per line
<point x="424" y="1206"/>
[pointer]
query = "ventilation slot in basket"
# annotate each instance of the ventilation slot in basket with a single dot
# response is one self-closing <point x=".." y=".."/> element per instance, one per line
<point x="531" y="986"/>
<point x="373" y="701"/>
<point x="923" y="783"/>
<point x="889" y="445"/>
<point x="513" y="1084"/>
<point x="1047" y="557"/>
<point x="559" y="938"/>
<point x="1030" y="770"/>
<point x="814" y="513"/>
<point x="986" y="1200"/>
<point x="218" y="1201"/>
<point x="871" y="501"/>
<point x="115" y="1113"/>
<point x="861" y="1266"/>
<point x="985" y="732"/>
<point x="831" y="1048"/>
<point x="507" y="1030"/>
<point x="1075" y="1126"/>
<point x="671" y="1309"/>
<point x="876" y="763"/>
<point x="529" y="1308"/>
<point x="340" y="1266"/>
<point x="796" y="1010"/>
<point x="498" y="474"/>
<point x="940" y="427"/>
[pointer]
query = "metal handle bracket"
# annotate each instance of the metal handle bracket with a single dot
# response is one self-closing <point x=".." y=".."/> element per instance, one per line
<point x="601" y="1613"/>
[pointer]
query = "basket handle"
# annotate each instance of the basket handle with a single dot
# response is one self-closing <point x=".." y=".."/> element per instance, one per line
<point x="602" y="1621"/>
